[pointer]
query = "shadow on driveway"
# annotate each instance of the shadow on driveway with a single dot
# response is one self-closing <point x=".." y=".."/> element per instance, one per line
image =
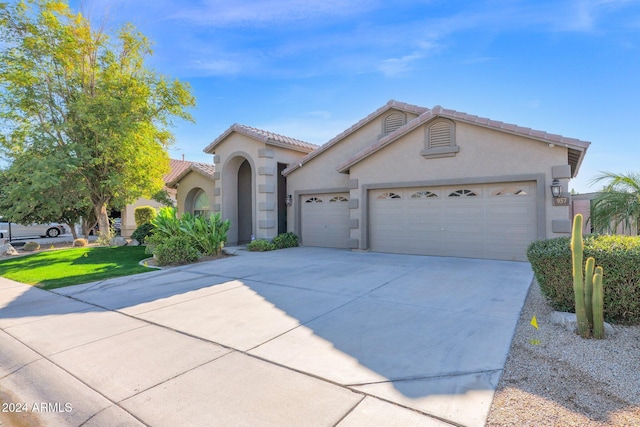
<point x="428" y="333"/>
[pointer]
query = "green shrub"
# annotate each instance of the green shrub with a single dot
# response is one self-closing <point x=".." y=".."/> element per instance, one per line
<point x="260" y="245"/>
<point x="175" y="250"/>
<point x="208" y="234"/>
<point x="619" y="256"/>
<point x="166" y="222"/>
<point x="285" y="240"/>
<point x="142" y="232"/>
<point x="144" y="215"/>
<point x="31" y="246"/>
<point x="78" y="243"/>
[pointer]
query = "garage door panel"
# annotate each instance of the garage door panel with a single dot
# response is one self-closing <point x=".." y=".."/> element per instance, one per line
<point x="325" y="220"/>
<point x="492" y="221"/>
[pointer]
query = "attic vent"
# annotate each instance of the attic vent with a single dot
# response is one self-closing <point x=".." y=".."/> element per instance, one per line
<point x="440" y="140"/>
<point x="393" y="122"/>
<point x="440" y="135"/>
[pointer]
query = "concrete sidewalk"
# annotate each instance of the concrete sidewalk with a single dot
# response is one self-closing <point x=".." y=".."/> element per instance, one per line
<point x="296" y="337"/>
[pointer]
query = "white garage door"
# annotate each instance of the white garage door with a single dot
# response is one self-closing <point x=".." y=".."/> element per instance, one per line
<point x="325" y="220"/>
<point x="494" y="221"/>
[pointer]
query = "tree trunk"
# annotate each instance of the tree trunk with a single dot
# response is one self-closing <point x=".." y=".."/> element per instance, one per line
<point x="104" y="229"/>
<point x="74" y="234"/>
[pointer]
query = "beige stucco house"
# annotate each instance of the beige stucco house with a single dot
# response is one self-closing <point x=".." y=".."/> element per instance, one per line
<point x="177" y="168"/>
<point x="404" y="179"/>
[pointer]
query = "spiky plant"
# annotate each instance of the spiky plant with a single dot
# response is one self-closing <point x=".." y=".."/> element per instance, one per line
<point x="618" y="203"/>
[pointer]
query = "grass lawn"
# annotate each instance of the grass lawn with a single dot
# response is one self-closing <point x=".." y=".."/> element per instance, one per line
<point x="66" y="267"/>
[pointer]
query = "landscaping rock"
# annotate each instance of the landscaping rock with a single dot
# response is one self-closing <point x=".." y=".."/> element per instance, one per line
<point x="134" y="242"/>
<point x="7" y="249"/>
<point x="119" y="241"/>
<point x="569" y="322"/>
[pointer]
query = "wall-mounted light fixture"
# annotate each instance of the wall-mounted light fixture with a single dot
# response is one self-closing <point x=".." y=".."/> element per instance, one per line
<point x="556" y="188"/>
<point x="288" y="200"/>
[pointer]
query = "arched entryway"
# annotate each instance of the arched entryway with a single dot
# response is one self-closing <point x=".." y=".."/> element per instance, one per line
<point x="238" y="198"/>
<point x="245" y="199"/>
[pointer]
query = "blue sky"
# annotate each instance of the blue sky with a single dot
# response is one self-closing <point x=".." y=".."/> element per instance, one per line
<point x="309" y="69"/>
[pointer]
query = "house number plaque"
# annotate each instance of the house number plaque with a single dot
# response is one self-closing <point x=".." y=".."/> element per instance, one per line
<point x="561" y="201"/>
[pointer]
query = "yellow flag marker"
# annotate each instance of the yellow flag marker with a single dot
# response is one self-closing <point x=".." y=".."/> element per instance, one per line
<point x="534" y="322"/>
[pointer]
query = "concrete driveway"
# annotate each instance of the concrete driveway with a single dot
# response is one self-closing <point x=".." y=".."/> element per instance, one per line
<point x="296" y="337"/>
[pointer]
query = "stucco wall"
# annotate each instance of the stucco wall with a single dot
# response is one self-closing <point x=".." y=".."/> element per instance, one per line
<point x="264" y="159"/>
<point x="190" y="182"/>
<point x="484" y="153"/>
<point x="320" y="172"/>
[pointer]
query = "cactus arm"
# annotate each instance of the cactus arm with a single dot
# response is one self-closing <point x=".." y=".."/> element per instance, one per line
<point x="598" y="312"/>
<point x="588" y="289"/>
<point x="577" y="253"/>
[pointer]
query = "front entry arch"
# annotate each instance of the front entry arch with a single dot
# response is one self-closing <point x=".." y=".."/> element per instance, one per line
<point x="238" y="198"/>
<point x="245" y="198"/>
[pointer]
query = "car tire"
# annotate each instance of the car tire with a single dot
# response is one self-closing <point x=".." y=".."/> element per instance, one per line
<point x="53" y="232"/>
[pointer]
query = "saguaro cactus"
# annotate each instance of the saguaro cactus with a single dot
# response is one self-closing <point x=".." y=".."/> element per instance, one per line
<point x="577" y="254"/>
<point x="588" y="288"/>
<point x="598" y="314"/>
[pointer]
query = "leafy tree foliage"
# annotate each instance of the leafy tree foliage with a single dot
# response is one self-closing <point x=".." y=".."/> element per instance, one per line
<point x="618" y="203"/>
<point x="79" y="111"/>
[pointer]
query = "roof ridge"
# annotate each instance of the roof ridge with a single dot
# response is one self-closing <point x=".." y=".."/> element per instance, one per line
<point x="390" y="104"/>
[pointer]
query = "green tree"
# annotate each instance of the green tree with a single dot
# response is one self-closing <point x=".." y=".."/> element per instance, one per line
<point x="618" y="203"/>
<point x="35" y="189"/>
<point x="68" y="89"/>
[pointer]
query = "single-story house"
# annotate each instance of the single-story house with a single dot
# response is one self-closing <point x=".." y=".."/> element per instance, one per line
<point x="405" y="179"/>
<point x="177" y="168"/>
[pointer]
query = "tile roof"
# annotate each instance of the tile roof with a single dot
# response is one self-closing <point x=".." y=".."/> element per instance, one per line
<point x="577" y="148"/>
<point x="391" y="104"/>
<point x="264" y="136"/>
<point x="176" y="167"/>
<point x="182" y="168"/>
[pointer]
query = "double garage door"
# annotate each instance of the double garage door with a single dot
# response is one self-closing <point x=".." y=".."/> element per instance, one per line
<point x="493" y="221"/>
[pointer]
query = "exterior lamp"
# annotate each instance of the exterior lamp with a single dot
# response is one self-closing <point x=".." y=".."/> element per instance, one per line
<point x="556" y="188"/>
<point x="288" y="200"/>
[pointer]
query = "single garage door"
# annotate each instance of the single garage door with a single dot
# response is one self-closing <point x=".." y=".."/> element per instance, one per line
<point x="325" y="220"/>
<point x="493" y="221"/>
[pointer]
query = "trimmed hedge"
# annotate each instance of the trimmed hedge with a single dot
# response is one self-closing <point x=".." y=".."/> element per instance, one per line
<point x="285" y="240"/>
<point x="144" y="215"/>
<point x="260" y="245"/>
<point x="619" y="256"/>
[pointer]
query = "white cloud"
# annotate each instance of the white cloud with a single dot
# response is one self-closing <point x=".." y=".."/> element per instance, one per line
<point x="261" y="12"/>
<point x="394" y="67"/>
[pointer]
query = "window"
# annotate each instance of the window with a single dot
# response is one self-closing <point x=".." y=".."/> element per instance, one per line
<point x="463" y="193"/>
<point x="394" y="121"/>
<point x="385" y="196"/>
<point x="423" y="195"/>
<point x="338" y="199"/>
<point x="201" y="204"/>
<point x="440" y="139"/>
<point x="510" y="191"/>
<point x="313" y="200"/>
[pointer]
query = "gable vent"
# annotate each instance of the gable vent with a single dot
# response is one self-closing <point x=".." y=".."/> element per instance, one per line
<point x="393" y="122"/>
<point x="440" y="135"/>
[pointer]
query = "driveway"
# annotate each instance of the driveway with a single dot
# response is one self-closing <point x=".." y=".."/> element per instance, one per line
<point x="296" y="337"/>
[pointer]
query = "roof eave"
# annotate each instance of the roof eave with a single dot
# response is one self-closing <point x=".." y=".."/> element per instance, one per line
<point x="390" y="105"/>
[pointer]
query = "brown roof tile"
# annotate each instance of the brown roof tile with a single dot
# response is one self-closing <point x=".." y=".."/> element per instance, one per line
<point x="264" y="136"/>
<point x="391" y="104"/>
<point x="576" y="146"/>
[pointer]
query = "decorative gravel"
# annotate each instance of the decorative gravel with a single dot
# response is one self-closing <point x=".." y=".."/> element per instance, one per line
<point x="553" y="377"/>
